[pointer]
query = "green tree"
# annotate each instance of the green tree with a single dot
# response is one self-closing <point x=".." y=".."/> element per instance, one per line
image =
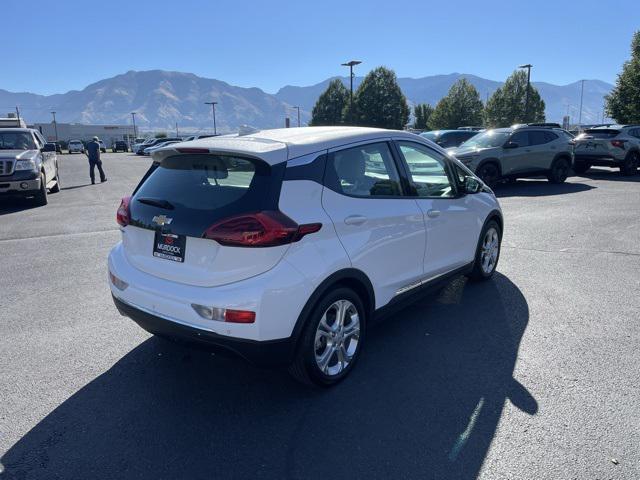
<point x="330" y="105"/>
<point x="161" y="135"/>
<point x="461" y="106"/>
<point x="623" y="103"/>
<point x="379" y="102"/>
<point x="507" y="104"/>
<point x="422" y="113"/>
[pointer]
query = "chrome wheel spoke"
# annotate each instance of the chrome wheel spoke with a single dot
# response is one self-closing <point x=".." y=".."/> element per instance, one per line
<point x="324" y="359"/>
<point x="337" y="337"/>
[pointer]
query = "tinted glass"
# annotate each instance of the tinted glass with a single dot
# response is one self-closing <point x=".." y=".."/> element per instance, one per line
<point x="197" y="190"/>
<point x="427" y="170"/>
<point x="550" y="136"/>
<point x="537" y="137"/>
<point x="17" y="141"/>
<point x="600" y="133"/>
<point x="364" y="171"/>
<point x="521" y="138"/>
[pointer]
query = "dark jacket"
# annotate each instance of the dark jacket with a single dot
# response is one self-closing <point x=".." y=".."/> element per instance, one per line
<point x="93" y="151"/>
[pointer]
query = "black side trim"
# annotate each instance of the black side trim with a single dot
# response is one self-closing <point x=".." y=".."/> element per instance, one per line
<point x="404" y="299"/>
<point x="313" y="171"/>
<point x="267" y="353"/>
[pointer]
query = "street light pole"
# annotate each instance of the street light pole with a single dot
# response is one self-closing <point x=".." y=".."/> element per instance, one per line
<point x="213" y="109"/>
<point x="55" y="124"/>
<point x="298" y="108"/>
<point x="526" y="94"/>
<point x="351" y="64"/>
<point x="581" y="95"/>
<point x="135" y="132"/>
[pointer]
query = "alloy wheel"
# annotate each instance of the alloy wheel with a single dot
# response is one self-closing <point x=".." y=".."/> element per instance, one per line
<point x="337" y="337"/>
<point x="490" y="250"/>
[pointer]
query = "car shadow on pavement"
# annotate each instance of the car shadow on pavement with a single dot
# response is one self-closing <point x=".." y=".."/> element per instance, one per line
<point x="538" y="188"/>
<point x="609" y="174"/>
<point x="424" y="402"/>
<point x="13" y="205"/>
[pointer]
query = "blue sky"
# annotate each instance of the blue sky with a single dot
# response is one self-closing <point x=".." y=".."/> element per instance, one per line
<point x="55" y="46"/>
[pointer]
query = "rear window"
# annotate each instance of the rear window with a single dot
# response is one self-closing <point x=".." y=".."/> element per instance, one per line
<point x="601" y="133"/>
<point x="198" y="190"/>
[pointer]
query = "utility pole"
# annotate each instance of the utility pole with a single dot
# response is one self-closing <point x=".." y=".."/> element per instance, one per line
<point x="581" y="95"/>
<point x="298" y="108"/>
<point x="351" y="64"/>
<point x="177" y="135"/>
<point x="526" y="94"/>
<point x="135" y="132"/>
<point x="55" y="124"/>
<point x="18" y="114"/>
<point x="213" y="109"/>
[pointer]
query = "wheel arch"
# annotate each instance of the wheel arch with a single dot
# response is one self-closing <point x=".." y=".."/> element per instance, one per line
<point x="351" y="278"/>
<point x="493" y="160"/>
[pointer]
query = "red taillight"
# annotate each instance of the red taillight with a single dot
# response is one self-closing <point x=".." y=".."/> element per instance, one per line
<point x="618" y="143"/>
<point x="122" y="215"/>
<point x="260" y="229"/>
<point x="192" y="150"/>
<point x="239" y="316"/>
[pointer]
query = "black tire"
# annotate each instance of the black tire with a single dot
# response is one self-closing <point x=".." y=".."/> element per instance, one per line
<point x="489" y="173"/>
<point x="559" y="170"/>
<point x="581" y="167"/>
<point x="478" y="272"/>
<point x="305" y="368"/>
<point x="630" y="165"/>
<point x="41" y="198"/>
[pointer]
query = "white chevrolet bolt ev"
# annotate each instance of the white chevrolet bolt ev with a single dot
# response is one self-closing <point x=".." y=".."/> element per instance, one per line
<point x="283" y="245"/>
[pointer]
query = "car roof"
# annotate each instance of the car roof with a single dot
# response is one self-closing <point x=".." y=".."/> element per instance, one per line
<point x="16" y="129"/>
<point x="278" y="145"/>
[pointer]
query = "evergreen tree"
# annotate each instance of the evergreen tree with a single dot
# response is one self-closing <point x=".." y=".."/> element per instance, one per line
<point x="379" y="102"/>
<point x="330" y="105"/>
<point x="460" y="107"/>
<point x="506" y="106"/>
<point x="422" y="112"/>
<point x="623" y="103"/>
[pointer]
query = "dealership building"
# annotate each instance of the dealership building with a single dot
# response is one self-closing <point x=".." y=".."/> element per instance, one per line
<point x="79" y="131"/>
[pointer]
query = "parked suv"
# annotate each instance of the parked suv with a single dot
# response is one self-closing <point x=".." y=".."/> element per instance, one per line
<point x="120" y="146"/>
<point x="521" y="151"/>
<point x="153" y="142"/>
<point x="28" y="165"/>
<point x="449" y="138"/>
<point x="282" y="245"/>
<point x="611" y="146"/>
<point x="76" y="146"/>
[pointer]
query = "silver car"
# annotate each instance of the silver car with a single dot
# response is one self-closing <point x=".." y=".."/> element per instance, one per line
<point x="615" y="146"/>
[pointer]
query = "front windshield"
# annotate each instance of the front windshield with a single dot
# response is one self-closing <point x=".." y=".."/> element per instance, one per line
<point x="16" y="141"/>
<point x="488" y="139"/>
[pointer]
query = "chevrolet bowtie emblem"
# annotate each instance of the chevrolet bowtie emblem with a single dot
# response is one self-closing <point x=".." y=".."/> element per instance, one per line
<point x="162" y="220"/>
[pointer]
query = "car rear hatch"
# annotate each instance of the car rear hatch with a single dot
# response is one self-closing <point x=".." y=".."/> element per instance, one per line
<point x="172" y="213"/>
<point x="598" y="142"/>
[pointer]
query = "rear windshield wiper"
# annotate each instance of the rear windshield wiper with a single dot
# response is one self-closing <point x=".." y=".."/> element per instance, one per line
<point x="156" y="202"/>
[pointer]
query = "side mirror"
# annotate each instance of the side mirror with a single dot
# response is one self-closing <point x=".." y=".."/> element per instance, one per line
<point x="49" y="147"/>
<point x="510" y="145"/>
<point x="472" y="185"/>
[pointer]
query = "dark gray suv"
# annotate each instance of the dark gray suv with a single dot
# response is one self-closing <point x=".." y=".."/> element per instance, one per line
<point x="615" y="146"/>
<point x="517" y="152"/>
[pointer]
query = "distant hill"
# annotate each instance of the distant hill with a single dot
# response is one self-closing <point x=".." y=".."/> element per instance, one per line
<point x="162" y="98"/>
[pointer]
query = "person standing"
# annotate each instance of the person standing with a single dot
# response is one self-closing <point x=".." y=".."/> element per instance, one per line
<point x="93" y="153"/>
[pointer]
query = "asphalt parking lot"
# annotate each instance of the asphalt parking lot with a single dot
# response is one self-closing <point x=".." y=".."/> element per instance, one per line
<point x="532" y="375"/>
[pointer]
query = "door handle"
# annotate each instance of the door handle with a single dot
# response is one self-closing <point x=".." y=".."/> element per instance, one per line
<point x="433" y="213"/>
<point x="355" y="220"/>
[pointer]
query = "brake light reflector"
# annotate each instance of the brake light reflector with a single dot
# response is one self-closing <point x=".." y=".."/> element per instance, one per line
<point x="239" y="316"/>
<point x="224" y="314"/>
<point x="122" y="215"/>
<point x="618" y="143"/>
<point x="260" y="229"/>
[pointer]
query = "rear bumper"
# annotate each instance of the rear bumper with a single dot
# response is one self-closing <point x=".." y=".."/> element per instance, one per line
<point x="264" y="353"/>
<point x="600" y="160"/>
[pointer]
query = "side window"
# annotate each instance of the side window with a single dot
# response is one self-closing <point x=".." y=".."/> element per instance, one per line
<point x="39" y="140"/>
<point x="537" y="137"/>
<point x="550" y="136"/>
<point x="427" y="171"/>
<point x="635" y="132"/>
<point x="364" y="171"/>
<point x="521" y="138"/>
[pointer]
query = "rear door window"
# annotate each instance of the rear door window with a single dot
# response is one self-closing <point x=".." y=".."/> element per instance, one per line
<point x="364" y="171"/>
<point x="521" y="138"/>
<point x="538" y="137"/>
<point x="198" y="190"/>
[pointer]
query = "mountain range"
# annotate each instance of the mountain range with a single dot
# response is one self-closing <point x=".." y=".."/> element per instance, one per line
<point x="162" y="98"/>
